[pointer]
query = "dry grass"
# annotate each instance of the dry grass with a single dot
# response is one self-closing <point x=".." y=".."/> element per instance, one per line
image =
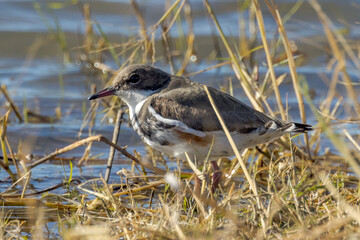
<point x="289" y="190"/>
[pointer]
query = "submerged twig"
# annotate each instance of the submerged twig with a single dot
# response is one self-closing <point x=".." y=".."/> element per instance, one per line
<point x="98" y="138"/>
<point x="77" y="181"/>
<point x="12" y="105"/>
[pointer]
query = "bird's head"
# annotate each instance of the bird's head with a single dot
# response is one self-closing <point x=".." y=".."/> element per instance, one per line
<point x="135" y="83"/>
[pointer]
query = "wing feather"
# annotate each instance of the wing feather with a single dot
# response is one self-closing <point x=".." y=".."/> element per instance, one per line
<point x="191" y="106"/>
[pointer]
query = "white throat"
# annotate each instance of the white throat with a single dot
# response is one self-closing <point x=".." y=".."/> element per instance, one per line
<point x="134" y="99"/>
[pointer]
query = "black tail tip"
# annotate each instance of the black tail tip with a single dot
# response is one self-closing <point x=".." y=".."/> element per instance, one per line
<point x="302" y="128"/>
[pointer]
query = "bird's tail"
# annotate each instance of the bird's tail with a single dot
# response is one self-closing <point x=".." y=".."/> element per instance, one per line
<point x="298" y="127"/>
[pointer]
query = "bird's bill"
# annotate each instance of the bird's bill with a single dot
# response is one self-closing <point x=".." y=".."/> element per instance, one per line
<point x="103" y="93"/>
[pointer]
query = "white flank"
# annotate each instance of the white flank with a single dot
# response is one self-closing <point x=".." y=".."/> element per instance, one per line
<point x="292" y="128"/>
<point x="176" y="123"/>
<point x="273" y="125"/>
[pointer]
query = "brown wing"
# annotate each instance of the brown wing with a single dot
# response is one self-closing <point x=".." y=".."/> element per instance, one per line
<point x="192" y="106"/>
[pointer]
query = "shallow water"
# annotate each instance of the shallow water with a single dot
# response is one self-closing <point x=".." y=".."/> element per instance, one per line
<point x="32" y="68"/>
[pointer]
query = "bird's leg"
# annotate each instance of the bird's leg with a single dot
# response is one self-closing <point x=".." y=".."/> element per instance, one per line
<point x="216" y="176"/>
<point x="197" y="185"/>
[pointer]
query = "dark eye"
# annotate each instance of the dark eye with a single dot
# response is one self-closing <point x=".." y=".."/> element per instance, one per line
<point x="134" y="78"/>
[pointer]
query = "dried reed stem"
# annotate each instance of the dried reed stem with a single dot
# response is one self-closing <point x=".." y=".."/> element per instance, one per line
<point x="339" y="143"/>
<point x="138" y="189"/>
<point x="166" y="14"/>
<point x="260" y="21"/>
<point x="3" y="128"/>
<point x="238" y="156"/>
<point x="354" y="213"/>
<point x="190" y="41"/>
<point x="337" y="53"/>
<point x="242" y="75"/>
<point x="143" y="35"/>
<point x="117" y="126"/>
<point x="292" y="67"/>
